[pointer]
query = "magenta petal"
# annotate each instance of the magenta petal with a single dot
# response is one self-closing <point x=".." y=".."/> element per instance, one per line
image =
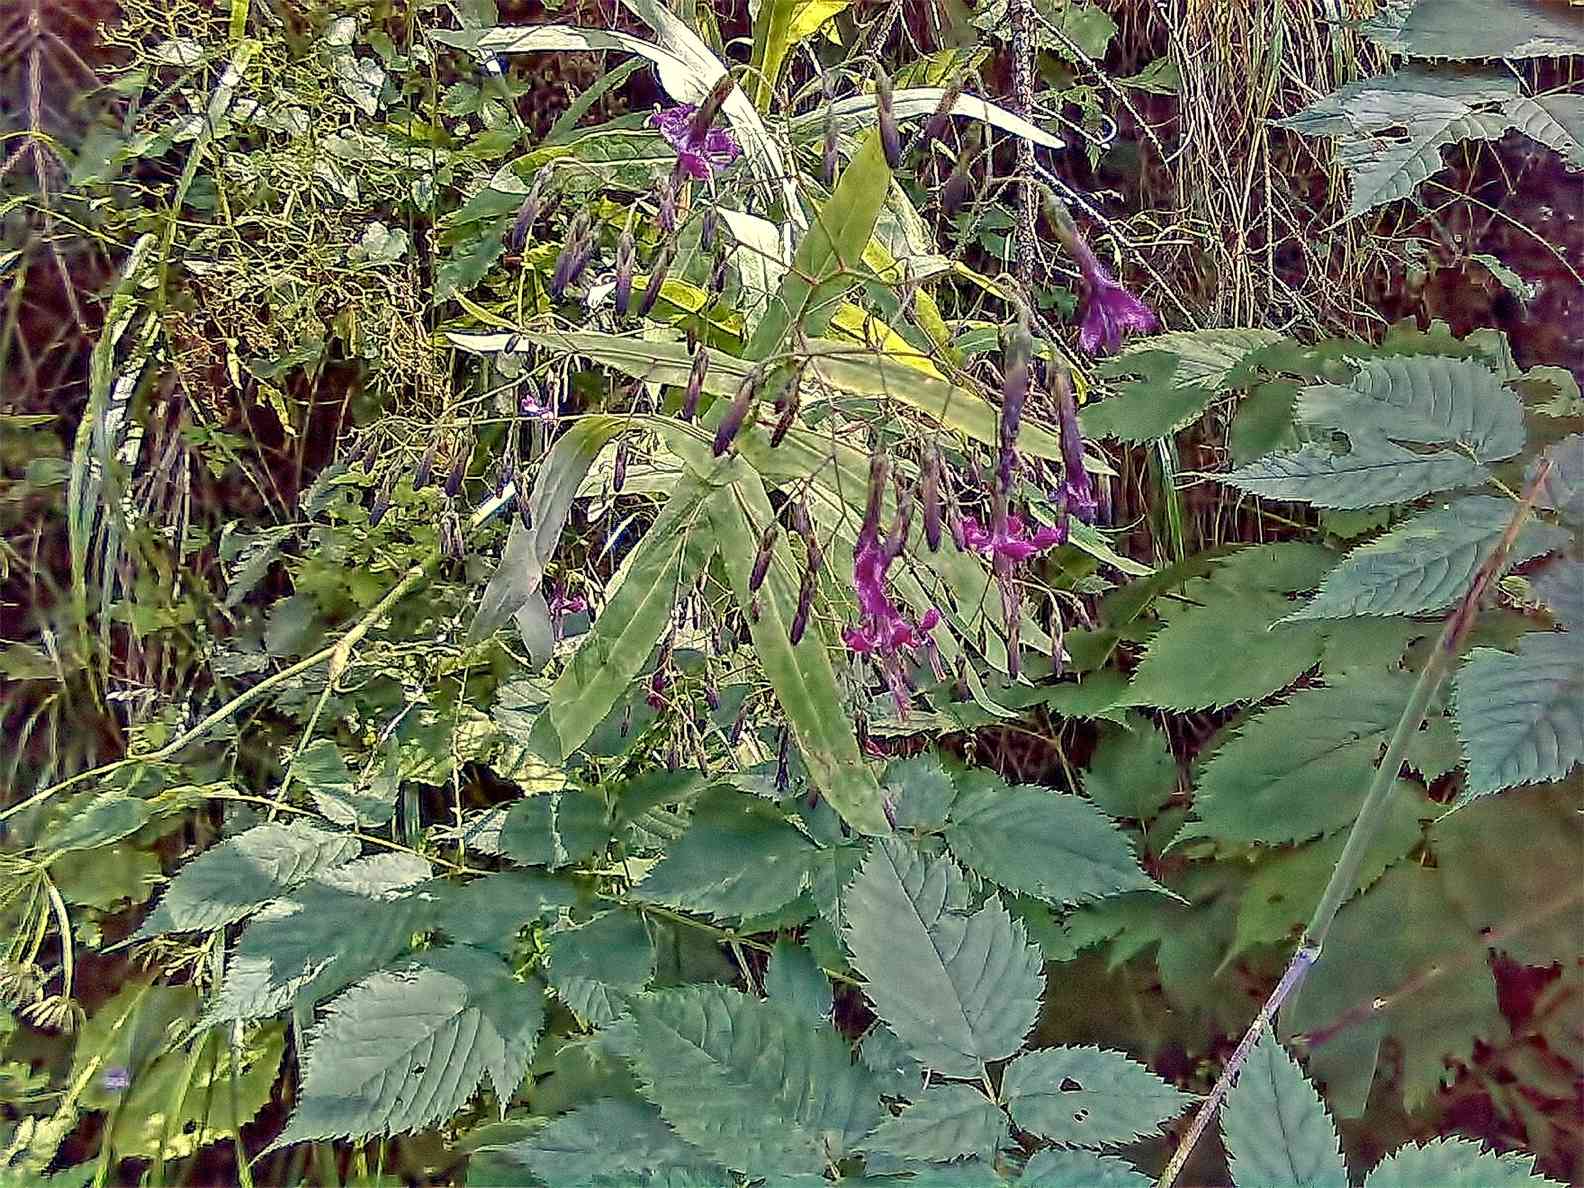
<point x="1047" y="537"/>
<point x="931" y="619"/>
<point x="857" y="640"/>
<point x="720" y="143"/>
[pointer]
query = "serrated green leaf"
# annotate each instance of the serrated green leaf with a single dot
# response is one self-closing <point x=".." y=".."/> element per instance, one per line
<point x="794" y="979"/>
<point x="1052" y="845"/>
<point x="1303" y="767"/>
<point x="488" y="913"/>
<point x="1381" y="943"/>
<point x="1116" y="1099"/>
<point x="324" y="772"/>
<point x="599" y="1142"/>
<point x="1133" y="772"/>
<point x="1276" y="1129"/>
<point x="1427" y="563"/>
<point x="1382" y="170"/>
<point x="1372" y="474"/>
<point x="406" y="1048"/>
<point x="751" y="1083"/>
<point x="1493" y="890"/>
<point x="1475" y="29"/>
<point x="595" y="966"/>
<point x="227" y="882"/>
<point x="958" y="989"/>
<point x="1264" y="422"/>
<point x="739" y="857"/>
<point x="945" y="1123"/>
<point x="554" y="830"/>
<point x="896" y="1071"/>
<point x="1200" y="358"/>
<point x="1080" y="1169"/>
<point x="1560" y="586"/>
<point x="1456" y="1163"/>
<point x="920" y="791"/>
<point x="668" y="556"/>
<point x="325" y="935"/>
<point x="1521" y="716"/>
<point x="1564" y="489"/>
<point x="1145" y="412"/>
<point x="801" y="675"/>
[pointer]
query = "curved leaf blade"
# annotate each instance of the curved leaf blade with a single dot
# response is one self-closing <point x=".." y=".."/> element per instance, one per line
<point x="1521" y="715"/>
<point x="1088" y="1097"/>
<point x="1277" y="1131"/>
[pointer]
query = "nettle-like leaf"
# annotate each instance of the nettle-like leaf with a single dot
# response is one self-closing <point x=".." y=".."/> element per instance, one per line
<point x="959" y="988"/>
<point x="739" y="857"/>
<point x="1276" y="1129"/>
<point x="554" y="830"/>
<point x="1560" y="586"/>
<point x="325" y="935"/>
<point x="1081" y="1169"/>
<point x="598" y="1142"/>
<point x="921" y="792"/>
<point x="794" y="979"/>
<point x="1428" y="562"/>
<point x="1564" y="488"/>
<point x="242" y="874"/>
<point x="749" y="1082"/>
<point x="595" y="966"/>
<point x="1088" y="1097"/>
<point x="406" y="1048"/>
<point x="1053" y="845"/>
<point x="1521" y="715"/>
<point x="336" y="792"/>
<point x="488" y="913"/>
<point x="945" y="1123"/>
<point x="1393" y="403"/>
<point x="1133" y="772"/>
<point x="1456" y="1163"/>
<point x="1303" y="767"/>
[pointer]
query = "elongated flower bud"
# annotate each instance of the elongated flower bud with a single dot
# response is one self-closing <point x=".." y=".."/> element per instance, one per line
<point x="712" y="699"/>
<point x="885" y="113"/>
<point x="619" y="471"/>
<point x="626" y="259"/>
<point x="761" y="565"/>
<point x="732" y="423"/>
<point x="666" y="202"/>
<point x="710" y="108"/>
<point x="800" y="521"/>
<point x="1014" y="392"/>
<point x="425" y="466"/>
<point x="935" y="127"/>
<point x="805" y="604"/>
<point x="657" y="275"/>
<point x="458" y="472"/>
<point x="695" y="384"/>
<point x="879" y="471"/>
<point x="717" y="276"/>
<point x="932" y="499"/>
<point x="382" y="502"/>
<point x="831" y="159"/>
<point x="787" y="404"/>
<point x="896" y="542"/>
<point x="524" y="512"/>
<point x="528" y="213"/>
<point x="707" y="227"/>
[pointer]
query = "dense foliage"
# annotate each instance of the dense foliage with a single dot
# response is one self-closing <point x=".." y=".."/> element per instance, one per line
<point x="703" y="636"/>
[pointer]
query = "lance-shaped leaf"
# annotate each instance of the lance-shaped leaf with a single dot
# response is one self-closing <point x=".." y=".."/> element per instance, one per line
<point x="945" y="1123"/>
<point x="854" y="113"/>
<point x="1088" y="1097"/>
<point x="750" y="1083"/>
<point x="800" y="673"/>
<point x="239" y="876"/>
<point x="959" y="988"/>
<point x="597" y="1143"/>
<point x="1456" y="1163"/>
<point x="1521" y="715"/>
<point x="406" y="1048"/>
<point x="670" y="554"/>
<point x="1276" y="1129"/>
<point x="1052" y="845"/>
<point x="595" y="966"/>
<point x="554" y="830"/>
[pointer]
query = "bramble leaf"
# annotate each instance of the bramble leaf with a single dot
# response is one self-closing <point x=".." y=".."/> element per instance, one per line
<point x="594" y="966"/>
<point x="1521" y="715"/>
<point x="1456" y="1163"/>
<point x="1080" y="1169"/>
<point x="1088" y="1097"/>
<point x="598" y="1142"/>
<point x="554" y="830"/>
<point x="945" y="1123"/>
<point x="1276" y="1129"/>
<point x="794" y="979"/>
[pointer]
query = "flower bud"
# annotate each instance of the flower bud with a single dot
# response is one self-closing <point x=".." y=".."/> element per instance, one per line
<point x="732" y="423"/>
<point x="932" y="499"/>
<point x="890" y="136"/>
<point x="805" y="604"/>
<point x="459" y="466"/>
<point x="712" y="699"/>
<point x="761" y="565"/>
<point x="879" y="471"/>
<point x="382" y="502"/>
<point x="626" y="259"/>
<point x="707" y="227"/>
<point x="955" y="192"/>
<point x="425" y="466"/>
<point x="524" y="512"/>
<point x="896" y="542"/>
<point x="657" y="275"/>
<point x="935" y="127"/>
<point x="788" y="403"/>
<point x="710" y="108"/>
<point x="666" y="202"/>
<point x="695" y="383"/>
<point x="830" y="159"/>
<point x="619" y="471"/>
<point x="717" y="276"/>
<point x="528" y="213"/>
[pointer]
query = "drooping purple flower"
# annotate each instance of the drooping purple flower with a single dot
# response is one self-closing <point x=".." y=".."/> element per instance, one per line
<point x="700" y="153"/>
<point x="1109" y="310"/>
<point x="1076" y="494"/>
<point x="1016" y="543"/>
<point x="531" y="403"/>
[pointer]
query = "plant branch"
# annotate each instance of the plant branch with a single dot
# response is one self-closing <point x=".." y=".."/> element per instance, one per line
<point x="1344" y="877"/>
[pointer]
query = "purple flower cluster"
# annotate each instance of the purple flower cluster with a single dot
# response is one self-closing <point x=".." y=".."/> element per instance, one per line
<point x="701" y="151"/>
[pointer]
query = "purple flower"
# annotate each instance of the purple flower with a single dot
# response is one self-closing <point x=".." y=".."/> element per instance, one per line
<point x="530" y="403"/>
<point x="699" y="153"/>
<point x="117" y="1078"/>
<point x="1016" y="543"/>
<point x="882" y="631"/>
<point x="1076" y="494"/>
<point x="1109" y="310"/>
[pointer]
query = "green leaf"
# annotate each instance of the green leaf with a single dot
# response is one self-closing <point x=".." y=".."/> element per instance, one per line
<point x="794" y="979"/>
<point x="1302" y="767"/>
<point x="1521" y="716"/>
<point x="1456" y="1163"/>
<point x="1476" y="29"/>
<point x="801" y="675"/>
<point x="829" y="258"/>
<point x="325" y="935"/>
<point x="668" y="556"/>
<point x="739" y="857"/>
<point x="1145" y="412"/>
<point x="528" y="550"/>
<point x="1133" y="773"/>
<point x="1493" y="890"/>
<point x="1088" y="1097"/>
<point x="1564" y="489"/>
<point x="554" y="829"/>
<point x="598" y="1142"/>
<point x="324" y="772"/>
<point x="1276" y="1129"/>
<point x="751" y="1083"/>
<point x="1264" y="422"/>
<point x="945" y="1123"/>
<point x="594" y="966"/>
<point x="1379" y="947"/>
<point x="895" y="1070"/>
<point x="1052" y="845"/>
<point x="1427" y="563"/>
<point x="239" y="876"/>
<point x="406" y="1048"/>
<point x="920" y="791"/>
<point x="1080" y="1169"/>
<point x="1560" y="586"/>
<point x="488" y="913"/>
<point x="1372" y="474"/>
<point x="958" y="989"/>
